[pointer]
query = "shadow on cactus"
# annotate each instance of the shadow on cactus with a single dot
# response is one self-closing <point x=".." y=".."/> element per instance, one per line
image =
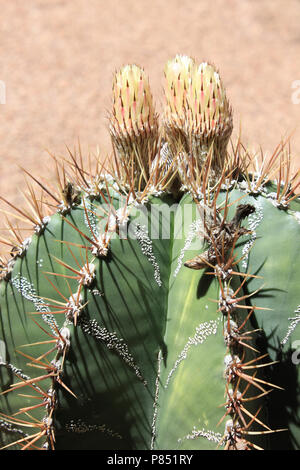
<point x="155" y="304"/>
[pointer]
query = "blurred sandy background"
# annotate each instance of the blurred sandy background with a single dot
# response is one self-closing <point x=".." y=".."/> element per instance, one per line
<point x="57" y="58"/>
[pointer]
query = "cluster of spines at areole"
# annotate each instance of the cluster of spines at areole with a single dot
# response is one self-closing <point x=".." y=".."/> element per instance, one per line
<point x="186" y="152"/>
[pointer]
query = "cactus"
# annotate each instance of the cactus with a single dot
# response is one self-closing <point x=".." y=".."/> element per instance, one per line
<point x="155" y="304"/>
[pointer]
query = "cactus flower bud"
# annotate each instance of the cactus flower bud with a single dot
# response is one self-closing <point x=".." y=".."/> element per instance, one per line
<point x="198" y="116"/>
<point x="134" y="123"/>
<point x="210" y="114"/>
<point x="178" y="73"/>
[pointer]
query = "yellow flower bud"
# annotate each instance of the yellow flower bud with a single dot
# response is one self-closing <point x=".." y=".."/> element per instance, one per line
<point x="198" y="117"/>
<point x="134" y="123"/>
<point x="178" y="74"/>
<point x="209" y="110"/>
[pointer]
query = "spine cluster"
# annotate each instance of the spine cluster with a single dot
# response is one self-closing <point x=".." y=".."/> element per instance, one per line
<point x="242" y="361"/>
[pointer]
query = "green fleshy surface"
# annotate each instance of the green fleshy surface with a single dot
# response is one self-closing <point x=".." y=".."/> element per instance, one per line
<point x="192" y="372"/>
<point x="275" y="256"/>
<point x="114" y="408"/>
<point x="131" y="305"/>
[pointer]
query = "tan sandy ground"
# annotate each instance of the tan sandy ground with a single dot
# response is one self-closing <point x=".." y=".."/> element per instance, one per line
<point x="57" y="59"/>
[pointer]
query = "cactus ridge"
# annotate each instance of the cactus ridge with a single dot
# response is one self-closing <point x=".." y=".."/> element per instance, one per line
<point x="111" y="328"/>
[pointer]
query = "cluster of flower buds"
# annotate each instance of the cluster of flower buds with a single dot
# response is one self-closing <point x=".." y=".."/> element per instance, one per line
<point x="197" y="117"/>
